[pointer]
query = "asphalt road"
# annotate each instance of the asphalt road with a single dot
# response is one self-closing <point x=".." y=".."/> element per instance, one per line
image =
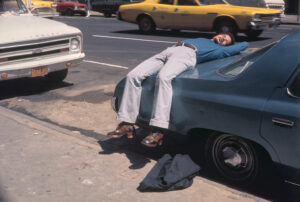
<point x="82" y="102"/>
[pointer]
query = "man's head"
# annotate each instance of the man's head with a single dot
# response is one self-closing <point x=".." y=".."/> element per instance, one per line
<point x="224" y="39"/>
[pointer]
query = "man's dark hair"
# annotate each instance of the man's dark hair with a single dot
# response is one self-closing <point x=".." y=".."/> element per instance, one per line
<point x="231" y="36"/>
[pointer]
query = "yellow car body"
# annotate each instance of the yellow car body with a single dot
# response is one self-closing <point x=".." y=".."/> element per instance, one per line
<point x="193" y="15"/>
<point x="43" y="3"/>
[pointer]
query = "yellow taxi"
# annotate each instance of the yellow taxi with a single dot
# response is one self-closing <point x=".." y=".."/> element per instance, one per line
<point x="43" y="3"/>
<point x="202" y="15"/>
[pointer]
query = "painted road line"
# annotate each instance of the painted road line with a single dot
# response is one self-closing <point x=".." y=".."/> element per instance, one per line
<point x="106" y="64"/>
<point x="134" y="39"/>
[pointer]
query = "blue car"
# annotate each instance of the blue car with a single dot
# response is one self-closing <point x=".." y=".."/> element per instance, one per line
<point x="247" y="104"/>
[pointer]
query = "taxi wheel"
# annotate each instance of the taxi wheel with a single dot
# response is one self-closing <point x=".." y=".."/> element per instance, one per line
<point x="57" y="76"/>
<point x="252" y="34"/>
<point x="146" y="25"/>
<point x="225" y="26"/>
<point x="234" y="158"/>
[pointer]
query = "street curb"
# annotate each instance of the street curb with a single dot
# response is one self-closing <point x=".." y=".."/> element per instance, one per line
<point x="50" y="128"/>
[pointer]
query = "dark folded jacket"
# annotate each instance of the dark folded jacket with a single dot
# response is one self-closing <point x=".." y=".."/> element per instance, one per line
<point x="170" y="174"/>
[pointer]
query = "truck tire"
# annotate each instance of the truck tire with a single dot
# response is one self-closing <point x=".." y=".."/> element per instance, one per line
<point x="57" y="76"/>
<point x="69" y="12"/>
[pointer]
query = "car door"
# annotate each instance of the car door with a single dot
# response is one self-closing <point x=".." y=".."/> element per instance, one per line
<point x="161" y="13"/>
<point x="189" y="14"/>
<point x="281" y="122"/>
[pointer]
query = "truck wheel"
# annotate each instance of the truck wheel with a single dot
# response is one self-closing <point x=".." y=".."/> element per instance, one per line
<point x="233" y="158"/>
<point x="146" y="25"/>
<point x="252" y="34"/>
<point x="57" y="76"/>
<point x="226" y="26"/>
<point x="69" y="12"/>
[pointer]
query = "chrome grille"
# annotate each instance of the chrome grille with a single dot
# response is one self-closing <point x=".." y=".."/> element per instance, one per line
<point x="268" y="17"/>
<point x="276" y="7"/>
<point x="34" y="50"/>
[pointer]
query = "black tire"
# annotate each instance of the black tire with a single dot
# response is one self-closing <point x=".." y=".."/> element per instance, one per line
<point x="252" y="34"/>
<point x="225" y="26"/>
<point x="57" y="76"/>
<point x="107" y="15"/>
<point x="69" y="12"/>
<point x="234" y="158"/>
<point x="146" y="25"/>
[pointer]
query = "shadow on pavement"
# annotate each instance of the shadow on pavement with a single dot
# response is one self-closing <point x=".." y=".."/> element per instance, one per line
<point x="28" y="86"/>
<point x="270" y="187"/>
<point x="187" y="34"/>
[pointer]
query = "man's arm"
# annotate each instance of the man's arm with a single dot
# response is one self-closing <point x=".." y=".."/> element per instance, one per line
<point x="227" y="51"/>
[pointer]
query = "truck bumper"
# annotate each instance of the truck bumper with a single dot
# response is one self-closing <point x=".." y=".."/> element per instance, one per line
<point x="258" y="25"/>
<point x="39" y="67"/>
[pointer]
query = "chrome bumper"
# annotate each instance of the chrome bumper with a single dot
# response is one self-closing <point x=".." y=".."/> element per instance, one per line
<point x="259" y="25"/>
<point x="24" y="69"/>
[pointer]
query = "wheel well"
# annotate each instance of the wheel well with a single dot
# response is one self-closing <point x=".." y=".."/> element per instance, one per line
<point x="223" y="18"/>
<point x="144" y="15"/>
<point x="205" y="133"/>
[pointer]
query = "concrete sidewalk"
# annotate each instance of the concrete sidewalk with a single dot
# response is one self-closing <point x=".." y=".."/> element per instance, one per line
<point x="42" y="162"/>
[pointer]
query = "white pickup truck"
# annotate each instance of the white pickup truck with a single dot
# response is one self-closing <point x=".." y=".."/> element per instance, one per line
<point x="32" y="46"/>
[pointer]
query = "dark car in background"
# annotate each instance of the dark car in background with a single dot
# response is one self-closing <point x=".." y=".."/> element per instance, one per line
<point x="109" y="7"/>
<point x="71" y="7"/>
<point x="247" y="105"/>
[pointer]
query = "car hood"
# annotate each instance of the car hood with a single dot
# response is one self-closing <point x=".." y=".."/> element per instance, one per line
<point x="244" y="9"/>
<point x="16" y="29"/>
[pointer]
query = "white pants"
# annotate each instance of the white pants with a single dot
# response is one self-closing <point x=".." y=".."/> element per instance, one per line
<point x="169" y="63"/>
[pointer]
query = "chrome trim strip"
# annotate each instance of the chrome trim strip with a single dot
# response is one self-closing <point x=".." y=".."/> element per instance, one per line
<point x="283" y="122"/>
<point x="292" y="183"/>
<point x="290" y="94"/>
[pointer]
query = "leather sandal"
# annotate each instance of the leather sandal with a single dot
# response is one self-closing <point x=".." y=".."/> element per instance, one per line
<point x="121" y="130"/>
<point x="153" y="139"/>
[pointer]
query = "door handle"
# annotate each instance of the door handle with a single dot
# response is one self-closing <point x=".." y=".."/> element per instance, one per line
<point x="154" y="7"/>
<point x="176" y="9"/>
<point x="283" y="122"/>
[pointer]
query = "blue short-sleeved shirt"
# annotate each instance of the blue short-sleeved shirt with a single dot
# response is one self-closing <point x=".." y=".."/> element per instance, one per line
<point x="209" y="50"/>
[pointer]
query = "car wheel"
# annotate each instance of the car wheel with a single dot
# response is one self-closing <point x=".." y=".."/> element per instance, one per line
<point x="146" y="25"/>
<point x="225" y="27"/>
<point x="69" y="12"/>
<point x="233" y="158"/>
<point x="57" y="76"/>
<point x="252" y="34"/>
<point x="107" y="15"/>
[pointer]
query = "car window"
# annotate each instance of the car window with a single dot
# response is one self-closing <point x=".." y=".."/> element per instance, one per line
<point x="212" y="2"/>
<point x="241" y="65"/>
<point x="12" y="6"/>
<point x="187" y="3"/>
<point x="250" y="3"/>
<point x="166" y="2"/>
<point x="295" y="87"/>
